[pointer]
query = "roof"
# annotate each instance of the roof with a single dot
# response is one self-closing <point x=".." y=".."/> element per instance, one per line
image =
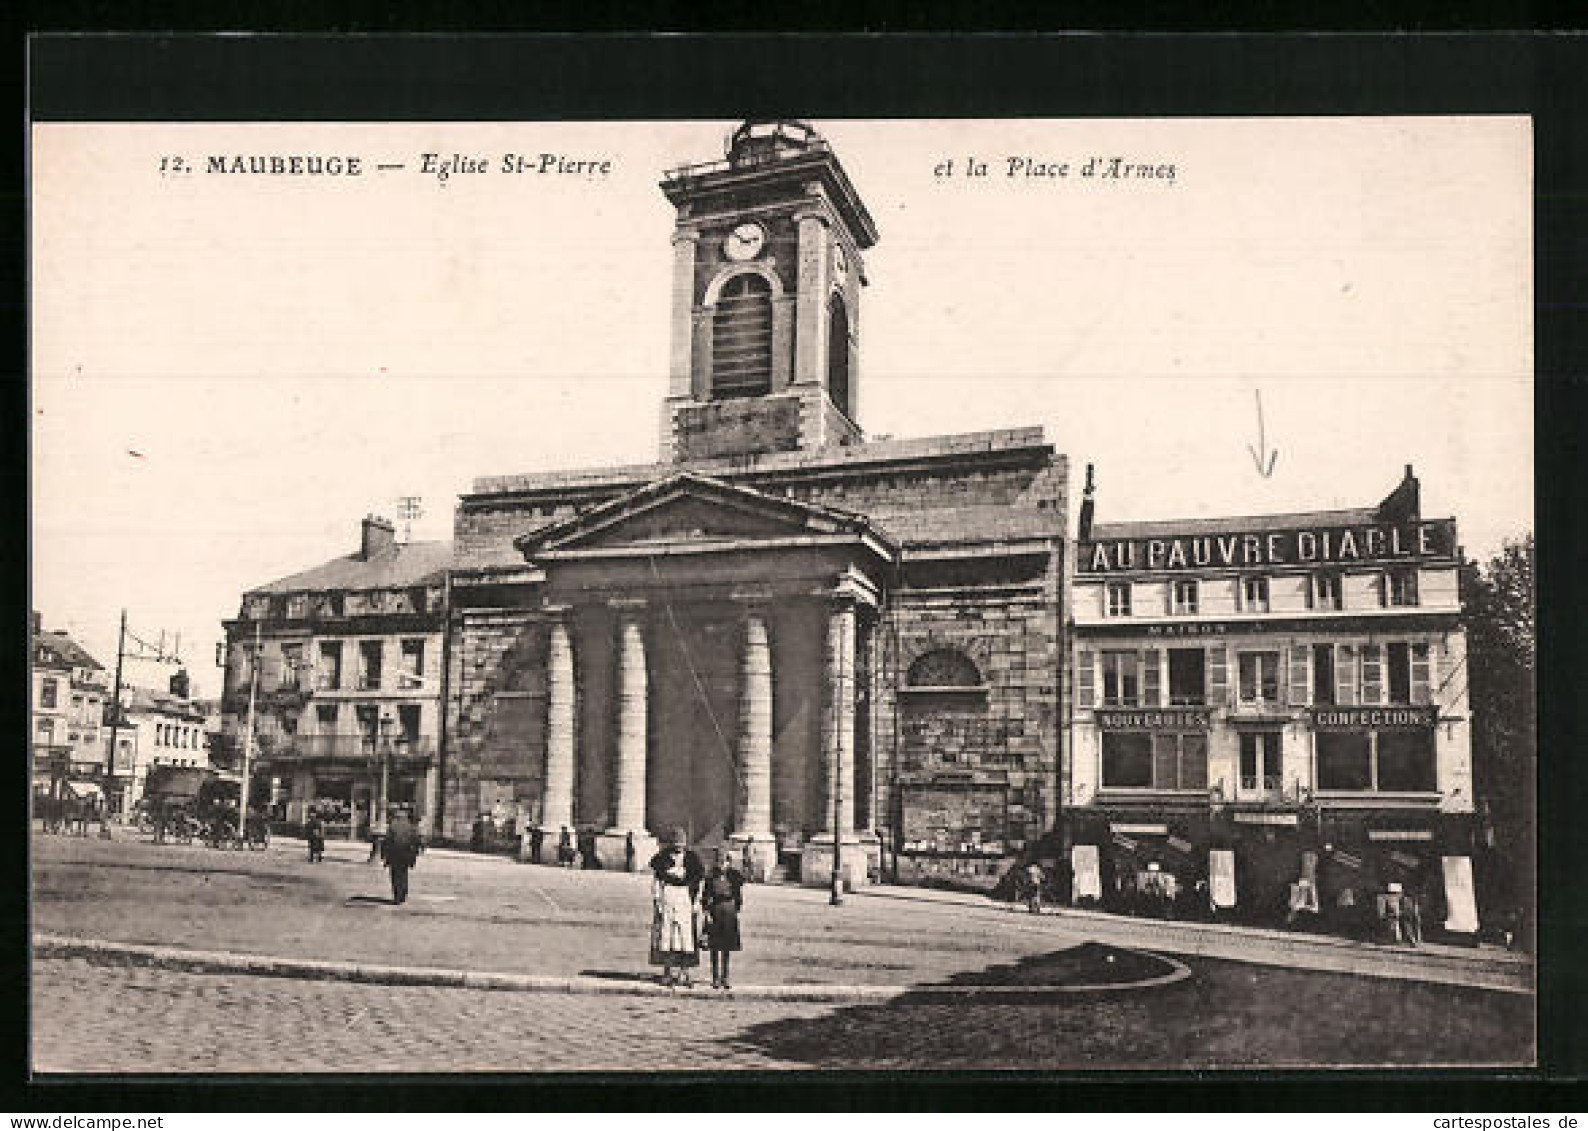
<point x="56" y="649"/>
<point x="1300" y="520"/>
<point x="145" y="699"/>
<point x="397" y="566"/>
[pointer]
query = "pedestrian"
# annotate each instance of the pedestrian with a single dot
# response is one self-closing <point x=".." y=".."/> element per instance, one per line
<point x="537" y="837"/>
<point x="315" y="831"/>
<point x="565" y="852"/>
<point x="1389" y="913"/>
<point x="1034" y="881"/>
<point x="675" y="934"/>
<point x="722" y="899"/>
<point x="747" y="859"/>
<point x="402" y="850"/>
<point x="628" y="851"/>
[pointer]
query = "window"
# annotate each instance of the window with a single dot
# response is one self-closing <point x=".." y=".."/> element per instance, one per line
<point x="408" y="722"/>
<point x="369" y="664"/>
<point x="1180" y="761"/>
<point x="1121" y="679"/>
<point x="1390" y="761"/>
<point x="943" y="667"/>
<point x="325" y="716"/>
<point x="1323" y="687"/>
<point x="1127" y="760"/>
<point x="838" y="357"/>
<point x="1401" y="586"/>
<point x="1345" y="761"/>
<point x="1259" y="677"/>
<point x="1254" y="594"/>
<point x="741" y="339"/>
<point x="330" y="674"/>
<point x="1406" y="761"/>
<point x="414" y="661"/>
<point x="49" y="693"/>
<point x="1260" y="762"/>
<point x="291" y="666"/>
<point x="1325" y="591"/>
<point x="1119" y="598"/>
<point x="1187" y="677"/>
<point x="1184" y="597"/>
<point x="46" y="731"/>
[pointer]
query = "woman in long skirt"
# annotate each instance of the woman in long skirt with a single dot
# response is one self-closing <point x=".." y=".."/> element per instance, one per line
<point x="675" y="935"/>
<point x="723" y="898"/>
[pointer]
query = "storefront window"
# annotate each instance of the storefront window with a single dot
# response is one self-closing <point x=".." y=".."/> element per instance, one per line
<point x="1180" y="761"/>
<point x="1406" y="761"/>
<point x="1345" y="762"/>
<point x="1127" y="761"/>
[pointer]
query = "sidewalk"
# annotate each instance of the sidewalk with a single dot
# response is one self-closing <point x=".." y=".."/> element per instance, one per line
<point x="482" y="912"/>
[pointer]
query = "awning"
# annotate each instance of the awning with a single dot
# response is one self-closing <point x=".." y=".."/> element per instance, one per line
<point x="85" y="789"/>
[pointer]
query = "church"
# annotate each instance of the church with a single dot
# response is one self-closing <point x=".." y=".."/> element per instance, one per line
<point x="778" y="635"/>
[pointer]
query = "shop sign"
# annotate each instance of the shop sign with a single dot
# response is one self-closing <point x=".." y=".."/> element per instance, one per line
<point x="1169" y="719"/>
<point x="1324" y="545"/>
<point x="1373" y="718"/>
<point x="1400" y="834"/>
<point x="1265" y="818"/>
<point x="1140" y="830"/>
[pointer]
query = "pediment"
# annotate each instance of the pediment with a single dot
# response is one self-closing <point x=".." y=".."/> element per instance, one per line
<point x="689" y="510"/>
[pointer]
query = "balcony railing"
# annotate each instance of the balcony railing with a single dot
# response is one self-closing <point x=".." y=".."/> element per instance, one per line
<point x="349" y="747"/>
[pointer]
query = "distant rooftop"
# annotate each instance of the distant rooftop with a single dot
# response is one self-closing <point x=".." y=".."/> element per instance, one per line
<point x="56" y="649"/>
<point x="394" y="567"/>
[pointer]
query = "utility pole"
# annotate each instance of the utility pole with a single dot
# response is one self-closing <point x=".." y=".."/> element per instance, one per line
<point x="248" y="736"/>
<point x="115" y="728"/>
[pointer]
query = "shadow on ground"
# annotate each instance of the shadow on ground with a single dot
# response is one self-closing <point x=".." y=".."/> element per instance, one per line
<point x="1227" y="1014"/>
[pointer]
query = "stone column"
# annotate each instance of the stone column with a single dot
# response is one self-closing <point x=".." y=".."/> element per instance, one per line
<point x="755" y="753"/>
<point x="633" y="709"/>
<point x="838" y="759"/>
<point x="556" y="809"/>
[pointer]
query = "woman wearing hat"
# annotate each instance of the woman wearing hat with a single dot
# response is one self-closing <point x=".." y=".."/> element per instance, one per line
<point x="675" y="936"/>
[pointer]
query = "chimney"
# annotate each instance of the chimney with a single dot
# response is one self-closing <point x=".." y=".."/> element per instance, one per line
<point x="180" y="685"/>
<point x="1404" y="504"/>
<point x="1084" y="527"/>
<point x="377" y="535"/>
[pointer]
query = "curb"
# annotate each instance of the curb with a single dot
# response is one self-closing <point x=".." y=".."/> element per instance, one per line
<point x="227" y="962"/>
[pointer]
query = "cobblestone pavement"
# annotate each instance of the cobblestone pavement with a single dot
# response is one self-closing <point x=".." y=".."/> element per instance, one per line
<point x="90" y="1018"/>
<point x="101" y="1018"/>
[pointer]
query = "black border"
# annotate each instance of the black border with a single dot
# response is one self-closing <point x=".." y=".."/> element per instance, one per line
<point x="377" y="77"/>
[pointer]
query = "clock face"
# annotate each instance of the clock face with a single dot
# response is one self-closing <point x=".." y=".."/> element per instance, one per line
<point x="744" y="242"/>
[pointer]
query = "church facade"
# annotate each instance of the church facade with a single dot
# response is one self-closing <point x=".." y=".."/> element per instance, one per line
<point x="779" y="635"/>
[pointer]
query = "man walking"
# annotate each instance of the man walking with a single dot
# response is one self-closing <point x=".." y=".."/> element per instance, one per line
<point x="402" y="849"/>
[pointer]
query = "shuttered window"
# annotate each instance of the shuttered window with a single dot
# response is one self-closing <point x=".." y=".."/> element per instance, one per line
<point x="1218" y="676"/>
<point x="1300" y="675"/>
<point x="1346" y="678"/>
<point x="1421" y="692"/>
<point x="741" y="339"/>
<point x="1151" y="679"/>
<point x="1372" y="674"/>
<point x="1084" y="680"/>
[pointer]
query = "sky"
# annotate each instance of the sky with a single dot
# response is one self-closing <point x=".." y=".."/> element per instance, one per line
<point x="230" y="371"/>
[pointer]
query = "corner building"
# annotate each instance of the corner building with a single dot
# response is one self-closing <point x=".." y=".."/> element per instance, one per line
<point x="780" y="631"/>
<point x="1274" y="686"/>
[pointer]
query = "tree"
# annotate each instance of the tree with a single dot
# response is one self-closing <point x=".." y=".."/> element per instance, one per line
<point x="1500" y="606"/>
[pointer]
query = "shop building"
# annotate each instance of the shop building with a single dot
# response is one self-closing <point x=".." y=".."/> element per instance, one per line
<point x="780" y="634"/>
<point x="347" y="707"/>
<point x="68" y="696"/>
<point x="1287" y="688"/>
<point x="158" y="729"/>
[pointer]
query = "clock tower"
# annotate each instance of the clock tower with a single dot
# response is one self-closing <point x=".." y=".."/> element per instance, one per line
<point x="767" y="274"/>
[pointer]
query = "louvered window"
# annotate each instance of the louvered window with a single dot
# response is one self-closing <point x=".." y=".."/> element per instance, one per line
<point x="741" y="339"/>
